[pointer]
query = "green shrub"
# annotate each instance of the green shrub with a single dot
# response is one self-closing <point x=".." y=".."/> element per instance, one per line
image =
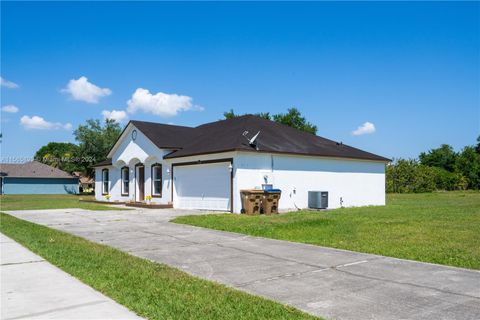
<point x="445" y="180"/>
<point x="468" y="163"/>
<point x="424" y="179"/>
<point x="409" y="176"/>
<point x="438" y="169"/>
<point x="406" y="176"/>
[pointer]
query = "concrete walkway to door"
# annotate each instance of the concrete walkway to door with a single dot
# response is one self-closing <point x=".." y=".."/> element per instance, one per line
<point x="327" y="282"/>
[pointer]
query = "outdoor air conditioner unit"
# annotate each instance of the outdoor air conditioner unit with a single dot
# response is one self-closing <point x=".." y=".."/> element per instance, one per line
<point x="318" y="199"/>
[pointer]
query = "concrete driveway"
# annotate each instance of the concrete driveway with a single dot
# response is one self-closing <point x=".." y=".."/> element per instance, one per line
<point x="326" y="282"/>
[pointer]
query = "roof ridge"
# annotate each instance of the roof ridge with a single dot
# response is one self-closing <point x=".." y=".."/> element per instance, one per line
<point x="235" y="118"/>
<point x="160" y="124"/>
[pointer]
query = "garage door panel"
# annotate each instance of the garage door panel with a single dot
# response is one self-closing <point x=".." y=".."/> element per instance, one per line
<point x="203" y="186"/>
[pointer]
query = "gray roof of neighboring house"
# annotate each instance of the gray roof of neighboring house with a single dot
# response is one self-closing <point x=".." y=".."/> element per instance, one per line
<point x="32" y="169"/>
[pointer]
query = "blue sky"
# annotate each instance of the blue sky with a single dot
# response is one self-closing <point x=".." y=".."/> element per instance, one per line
<point x="410" y="69"/>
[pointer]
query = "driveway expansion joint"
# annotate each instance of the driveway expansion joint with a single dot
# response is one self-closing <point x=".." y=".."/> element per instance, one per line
<point x="283" y="276"/>
<point x="173" y="237"/>
<point x="407" y="284"/>
<point x="23" y="262"/>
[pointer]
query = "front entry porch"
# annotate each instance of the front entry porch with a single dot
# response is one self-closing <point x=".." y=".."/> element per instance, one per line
<point x="149" y="205"/>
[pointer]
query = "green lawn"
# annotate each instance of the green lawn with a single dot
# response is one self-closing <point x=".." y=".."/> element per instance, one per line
<point x="48" y="201"/>
<point x="152" y="290"/>
<point x="438" y="227"/>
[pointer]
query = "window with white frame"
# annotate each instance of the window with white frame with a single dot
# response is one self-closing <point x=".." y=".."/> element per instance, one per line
<point x="105" y="181"/>
<point x="125" y="181"/>
<point x="156" y="180"/>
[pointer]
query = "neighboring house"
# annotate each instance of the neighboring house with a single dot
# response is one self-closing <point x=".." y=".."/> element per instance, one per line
<point x="206" y="167"/>
<point x="35" y="178"/>
<point x="86" y="184"/>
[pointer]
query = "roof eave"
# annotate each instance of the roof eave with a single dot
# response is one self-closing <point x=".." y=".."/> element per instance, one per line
<point x="104" y="163"/>
<point x="172" y="156"/>
<point x="168" y="156"/>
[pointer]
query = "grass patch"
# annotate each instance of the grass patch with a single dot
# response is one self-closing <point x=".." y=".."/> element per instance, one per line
<point x="441" y="227"/>
<point x="49" y="201"/>
<point x="152" y="290"/>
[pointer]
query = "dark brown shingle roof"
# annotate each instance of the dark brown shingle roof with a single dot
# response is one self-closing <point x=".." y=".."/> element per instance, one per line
<point x="32" y="169"/>
<point x="164" y="135"/>
<point x="227" y="135"/>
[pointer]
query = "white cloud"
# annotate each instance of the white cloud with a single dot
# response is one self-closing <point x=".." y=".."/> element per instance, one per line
<point x="8" y="84"/>
<point x="366" y="128"/>
<point x="83" y="90"/>
<point x="161" y="104"/>
<point x="10" y="108"/>
<point x="37" y="122"/>
<point x="116" y="115"/>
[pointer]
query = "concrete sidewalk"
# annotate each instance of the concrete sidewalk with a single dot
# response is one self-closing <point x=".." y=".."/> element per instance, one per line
<point x="32" y="288"/>
<point x="336" y="284"/>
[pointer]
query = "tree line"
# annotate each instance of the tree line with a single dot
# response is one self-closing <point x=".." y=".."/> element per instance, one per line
<point x="94" y="140"/>
<point x="438" y="169"/>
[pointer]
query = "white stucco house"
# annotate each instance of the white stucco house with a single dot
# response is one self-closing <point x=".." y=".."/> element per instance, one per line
<point x="205" y="167"/>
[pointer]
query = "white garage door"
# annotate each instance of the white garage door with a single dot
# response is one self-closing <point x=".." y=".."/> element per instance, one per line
<point x="202" y="186"/>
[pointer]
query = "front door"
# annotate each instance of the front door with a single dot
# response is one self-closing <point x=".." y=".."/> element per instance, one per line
<point x="141" y="183"/>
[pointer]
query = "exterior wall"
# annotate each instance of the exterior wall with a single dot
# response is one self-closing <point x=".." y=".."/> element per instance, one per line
<point x="40" y="185"/>
<point x="357" y="182"/>
<point x="115" y="184"/>
<point x="349" y="182"/>
<point x="131" y="153"/>
<point x="98" y="183"/>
